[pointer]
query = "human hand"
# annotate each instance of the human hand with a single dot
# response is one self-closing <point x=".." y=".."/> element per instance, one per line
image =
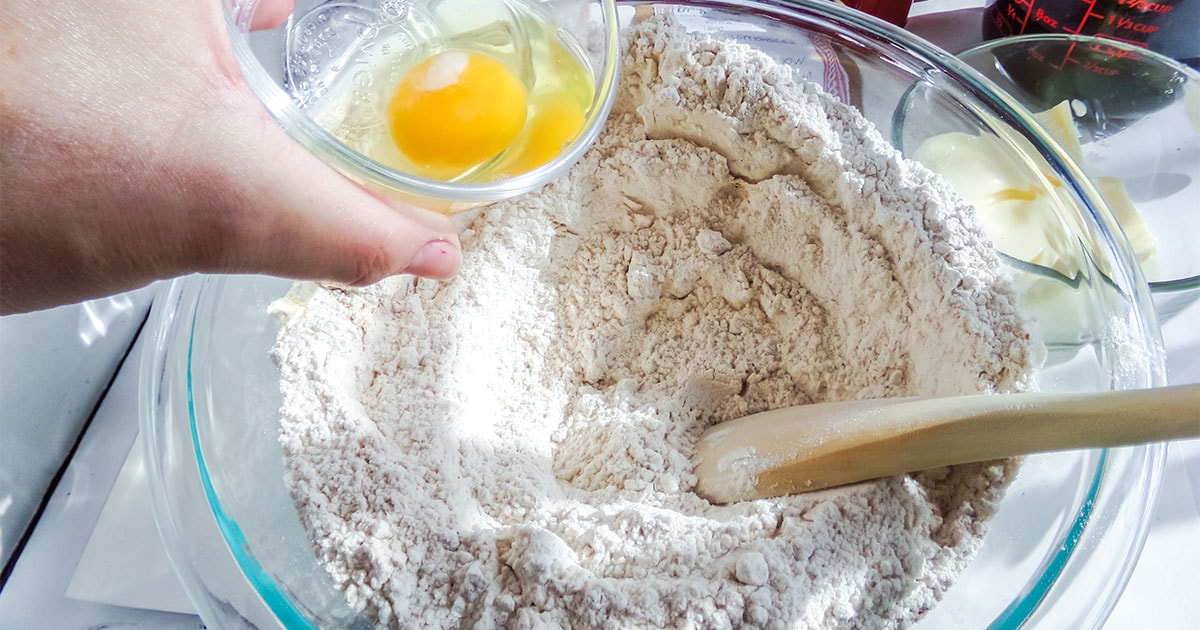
<point x="131" y="150"/>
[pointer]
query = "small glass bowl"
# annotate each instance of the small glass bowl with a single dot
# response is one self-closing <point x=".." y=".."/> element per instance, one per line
<point x="319" y="49"/>
<point x="1138" y="117"/>
<point x="1058" y="553"/>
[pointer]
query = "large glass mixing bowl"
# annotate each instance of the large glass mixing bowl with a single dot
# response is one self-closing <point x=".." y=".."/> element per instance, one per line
<point x="1057" y="555"/>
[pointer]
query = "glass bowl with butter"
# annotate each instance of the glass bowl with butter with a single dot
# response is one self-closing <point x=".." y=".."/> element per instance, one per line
<point x="1058" y="550"/>
<point x="446" y="104"/>
<point x="1130" y="120"/>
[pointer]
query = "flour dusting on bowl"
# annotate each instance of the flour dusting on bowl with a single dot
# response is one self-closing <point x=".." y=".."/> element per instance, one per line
<point x="512" y="448"/>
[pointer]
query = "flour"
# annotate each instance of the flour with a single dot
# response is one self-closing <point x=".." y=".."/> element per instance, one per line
<point x="512" y="448"/>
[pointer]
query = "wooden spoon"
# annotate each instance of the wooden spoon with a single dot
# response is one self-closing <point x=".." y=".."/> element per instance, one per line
<point x="810" y="447"/>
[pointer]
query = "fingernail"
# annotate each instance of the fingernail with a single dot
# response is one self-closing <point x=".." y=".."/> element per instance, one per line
<point x="436" y="260"/>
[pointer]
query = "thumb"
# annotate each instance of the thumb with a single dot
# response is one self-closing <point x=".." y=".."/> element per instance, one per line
<point x="301" y="219"/>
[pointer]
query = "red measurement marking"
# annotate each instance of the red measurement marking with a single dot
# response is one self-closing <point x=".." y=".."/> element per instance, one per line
<point x="1139" y="44"/>
<point x="1066" y="58"/>
<point x="1112" y="51"/>
<point x="1028" y="4"/>
<point x="1046" y="19"/>
<point x="1090" y="13"/>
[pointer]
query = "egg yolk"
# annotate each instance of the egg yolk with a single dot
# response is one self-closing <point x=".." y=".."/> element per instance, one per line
<point x="456" y="110"/>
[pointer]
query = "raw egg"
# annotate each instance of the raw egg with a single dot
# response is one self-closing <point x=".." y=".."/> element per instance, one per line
<point x="480" y="105"/>
<point x="455" y="111"/>
<point x="554" y="121"/>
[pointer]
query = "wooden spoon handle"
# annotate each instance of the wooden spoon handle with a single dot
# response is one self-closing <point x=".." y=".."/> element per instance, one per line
<point x="810" y="447"/>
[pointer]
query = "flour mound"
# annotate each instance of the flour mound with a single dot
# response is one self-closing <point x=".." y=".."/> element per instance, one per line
<point x="512" y="448"/>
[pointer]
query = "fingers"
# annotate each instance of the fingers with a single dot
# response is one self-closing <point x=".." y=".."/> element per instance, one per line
<point x="299" y="218"/>
<point x="310" y="222"/>
<point x="269" y="14"/>
<point x="304" y="220"/>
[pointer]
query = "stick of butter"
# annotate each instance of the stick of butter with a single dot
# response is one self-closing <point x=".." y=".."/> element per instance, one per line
<point x="1016" y="197"/>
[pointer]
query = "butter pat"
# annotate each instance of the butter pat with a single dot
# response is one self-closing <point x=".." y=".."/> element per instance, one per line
<point x="1016" y="197"/>
<point x="1015" y="200"/>
<point x="1145" y="245"/>
<point x="1060" y="122"/>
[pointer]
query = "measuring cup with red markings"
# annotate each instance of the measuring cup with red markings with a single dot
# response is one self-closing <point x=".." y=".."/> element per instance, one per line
<point x="1170" y="27"/>
<point x="1110" y="83"/>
